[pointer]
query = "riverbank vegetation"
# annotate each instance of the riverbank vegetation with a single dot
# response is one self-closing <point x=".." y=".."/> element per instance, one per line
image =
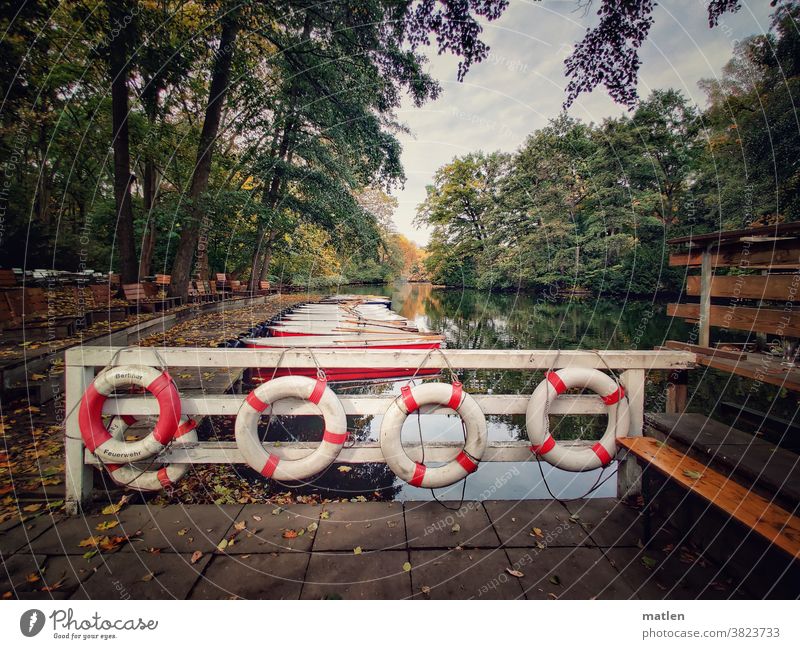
<point x="592" y="205"/>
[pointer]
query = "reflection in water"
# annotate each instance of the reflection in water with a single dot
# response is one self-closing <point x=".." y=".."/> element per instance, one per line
<point x="477" y="320"/>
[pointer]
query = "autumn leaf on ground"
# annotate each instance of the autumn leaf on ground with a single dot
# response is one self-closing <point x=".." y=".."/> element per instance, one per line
<point x="312" y="527"/>
<point x="345" y="469"/>
<point x="357" y="550"/>
<point x="537" y="532"/>
<point x="325" y="515"/>
<point x="92" y="541"/>
<point x="257" y="519"/>
<point x="515" y="573"/>
<point x="406" y="567"/>
<point x="32" y="578"/>
<point x="290" y="534"/>
<point x="222" y="545"/>
<point x="239" y="526"/>
<point x="456" y="528"/>
<point x="426" y="590"/>
<point x="555" y="580"/>
<point x="148" y="577"/>
<point x="113" y="509"/>
<point x="55" y="586"/>
<point x="7" y="595"/>
<point x="196" y="556"/>
<point x="649" y="562"/>
<point x="183" y="532"/>
<point x="32" y="508"/>
<point x="106" y="525"/>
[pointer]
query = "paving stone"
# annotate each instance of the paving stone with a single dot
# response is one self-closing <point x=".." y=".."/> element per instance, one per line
<point x="255" y="576"/>
<point x="675" y="574"/>
<point x="514" y="522"/>
<point x="15" y="570"/>
<point x="609" y="522"/>
<point x="184" y="528"/>
<point x="267" y="534"/>
<point x="370" y="526"/>
<point x="143" y="576"/>
<point x="66" y="535"/>
<point x="370" y="575"/>
<point x="20" y="536"/>
<point x="26" y="574"/>
<point x="463" y="574"/>
<point x="568" y="573"/>
<point x="430" y="525"/>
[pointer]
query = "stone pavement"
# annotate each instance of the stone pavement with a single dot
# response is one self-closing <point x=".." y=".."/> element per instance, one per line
<point x="532" y="549"/>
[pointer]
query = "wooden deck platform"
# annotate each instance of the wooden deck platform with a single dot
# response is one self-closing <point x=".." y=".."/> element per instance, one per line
<point x="530" y="549"/>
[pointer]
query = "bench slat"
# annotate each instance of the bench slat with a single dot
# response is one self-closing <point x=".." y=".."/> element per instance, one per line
<point x="772" y="522"/>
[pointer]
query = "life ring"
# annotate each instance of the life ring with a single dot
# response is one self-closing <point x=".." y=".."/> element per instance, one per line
<point x="93" y="431"/>
<point x="577" y="459"/>
<point x="144" y="479"/>
<point x="452" y="396"/>
<point x="286" y="387"/>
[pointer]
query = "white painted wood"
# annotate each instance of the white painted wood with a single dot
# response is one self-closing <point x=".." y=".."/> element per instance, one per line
<point x="706" y="274"/>
<point x="78" y="475"/>
<point x="629" y="477"/>
<point x="510" y="359"/>
<point x="360" y="453"/>
<point x="228" y="404"/>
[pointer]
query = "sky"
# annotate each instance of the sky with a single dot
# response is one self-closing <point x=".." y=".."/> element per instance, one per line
<point x="520" y="86"/>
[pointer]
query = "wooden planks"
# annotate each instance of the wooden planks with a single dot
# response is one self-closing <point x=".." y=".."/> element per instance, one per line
<point x="707" y="351"/>
<point x="781" y="322"/>
<point x="759" y="367"/>
<point x="781" y="288"/>
<point x="510" y="359"/>
<point x="773" y="523"/>
<point x="772" y="254"/>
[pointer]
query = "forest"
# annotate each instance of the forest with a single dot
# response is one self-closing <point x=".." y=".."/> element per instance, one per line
<point x="591" y="206"/>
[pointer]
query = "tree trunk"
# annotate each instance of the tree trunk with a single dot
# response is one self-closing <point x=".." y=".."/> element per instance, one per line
<point x="149" y="237"/>
<point x="193" y="235"/>
<point x="118" y="68"/>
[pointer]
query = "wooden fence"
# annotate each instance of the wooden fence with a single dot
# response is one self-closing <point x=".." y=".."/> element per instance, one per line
<point x="83" y="362"/>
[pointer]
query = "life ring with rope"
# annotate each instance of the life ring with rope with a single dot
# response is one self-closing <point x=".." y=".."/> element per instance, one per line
<point x="572" y="458"/>
<point x="96" y="436"/>
<point x="442" y="394"/>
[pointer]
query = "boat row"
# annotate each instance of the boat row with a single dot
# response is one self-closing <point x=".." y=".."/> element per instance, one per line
<point x="344" y="322"/>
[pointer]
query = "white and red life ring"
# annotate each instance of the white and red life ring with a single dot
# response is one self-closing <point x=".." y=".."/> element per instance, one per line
<point x="90" y="420"/>
<point x="453" y="397"/>
<point x="571" y="458"/>
<point x="144" y="479"/>
<point x="291" y="387"/>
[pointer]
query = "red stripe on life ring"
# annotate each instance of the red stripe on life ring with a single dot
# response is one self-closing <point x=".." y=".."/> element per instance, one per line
<point x="455" y="398"/>
<point x="163" y="478"/>
<point x="169" y="409"/>
<point x="90" y="420"/>
<point x="318" y="391"/>
<point x="467" y="462"/>
<point x="269" y="467"/>
<point x="614" y="397"/>
<point x="129" y="420"/>
<point x="602" y="453"/>
<point x="419" y="474"/>
<point x="334" y="438"/>
<point x="185" y="427"/>
<point x="556" y="382"/>
<point x="545" y="447"/>
<point x="408" y="399"/>
<point x="163" y="380"/>
<point x="256" y="403"/>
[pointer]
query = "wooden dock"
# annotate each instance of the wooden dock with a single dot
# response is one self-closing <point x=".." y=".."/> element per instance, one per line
<point x="376" y="550"/>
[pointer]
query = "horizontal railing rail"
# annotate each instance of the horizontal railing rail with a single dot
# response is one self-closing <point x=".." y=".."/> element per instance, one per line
<point x="629" y="366"/>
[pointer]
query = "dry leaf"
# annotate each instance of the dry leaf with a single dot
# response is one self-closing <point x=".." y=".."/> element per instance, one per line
<point x="345" y="469"/>
<point x="148" y="577"/>
<point x="290" y="534"/>
<point x="196" y="555"/>
<point x="537" y="532"/>
<point x="239" y="526"/>
<point x="407" y="567"/>
<point x="222" y="545"/>
<point x="456" y="528"/>
<point x="357" y="550"/>
<point x="32" y="578"/>
<point x="325" y="515"/>
<point x="515" y="573"/>
<point x="32" y="508"/>
<point x="106" y="525"/>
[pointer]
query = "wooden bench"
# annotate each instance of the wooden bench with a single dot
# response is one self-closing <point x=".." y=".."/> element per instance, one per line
<point x="8" y="278"/>
<point x="105" y="307"/>
<point x="30" y="318"/>
<point x="237" y="288"/>
<point x="264" y="287"/>
<point x="223" y="283"/>
<point x="144" y="297"/>
<point x="778" y="526"/>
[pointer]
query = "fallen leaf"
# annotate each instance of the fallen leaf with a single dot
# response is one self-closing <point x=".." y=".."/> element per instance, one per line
<point x="32" y="578"/>
<point x="7" y="595"/>
<point x="148" y="577"/>
<point x="426" y="590"/>
<point x="555" y="580"/>
<point x="537" y="532"/>
<point x="89" y="542"/>
<point x="89" y="554"/>
<point x="183" y="532"/>
<point x="239" y="526"/>
<point x="357" y="550"/>
<point x="55" y="586"/>
<point x="515" y="573"/>
<point x="649" y="562"/>
<point x="196" y="555"/>
<point x="312" y="527"/>
<point x="694" y="475"/>
<point x="325" y="515"/>
<point x="222" y="545"/>
<point x="345" y="469"/>
<point x="256" y="518"/>
<point x="407" y="567"/>
<point x="32" y="508"/>
<point x="113" y="509"/>
<point x="106" y="525"/>
<point x="290" y="534"/>
<point x="456" y="528"/>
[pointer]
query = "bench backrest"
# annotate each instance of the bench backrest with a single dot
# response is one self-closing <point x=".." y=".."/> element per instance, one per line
<point x="263" y="285"/>
<point x="134" y="292"/>
<point x="163" y="280"/>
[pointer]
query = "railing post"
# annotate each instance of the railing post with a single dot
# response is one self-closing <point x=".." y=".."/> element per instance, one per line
<point x="706" y="275"/>
<point x="677" y="391"/>
<point x="629" y="476"/>
<point x="79" y="476"/>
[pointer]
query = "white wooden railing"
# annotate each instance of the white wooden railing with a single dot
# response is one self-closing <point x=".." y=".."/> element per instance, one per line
<point x="83" y="362"/>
